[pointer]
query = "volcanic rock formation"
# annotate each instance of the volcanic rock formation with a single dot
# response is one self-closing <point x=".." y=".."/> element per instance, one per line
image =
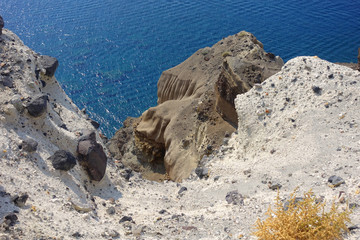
<point x="195" y="106"/>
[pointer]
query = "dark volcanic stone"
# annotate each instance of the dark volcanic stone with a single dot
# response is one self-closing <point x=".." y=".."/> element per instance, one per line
<point x="11" y="219"/>
<point x="29" y="145"/>
<point x="1" y="24"/>
<point x="50" y="64"/>
<point x="202" y="172"/>
<point x="7" y="81"/>
<point x="92" y="156"/>
<point x="316" y="89"/>
<point x="234" y="197"/>
<point x="63" y="160"/>
<point x="336" y="181"/>
<point x="182" y="189"/>
<point x="20" y="200"/>
<point x="37" y="106"/>
<point x="126" y="219"/>
<point x="110" y="211"/>
<point x="274" y="185"/>
<point x="95" y="124"/>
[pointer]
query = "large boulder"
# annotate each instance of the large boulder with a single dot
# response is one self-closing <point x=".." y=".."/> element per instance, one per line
<point x="196" y="103"/>
<point x="92" y="157"/>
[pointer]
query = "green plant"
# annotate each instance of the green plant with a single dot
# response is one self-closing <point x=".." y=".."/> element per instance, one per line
<point x="304" y="219"/>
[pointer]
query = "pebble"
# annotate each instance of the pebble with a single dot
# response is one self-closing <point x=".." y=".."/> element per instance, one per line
<point x="20" y="201"/>
<point x="234" y="197"/>
<point x="29" y="145"/>
<point x="274" y="185"/>
<point x="11" y="219"/>
<point x="202" y="172"/>
<point x="182" y="189"/>
<point x="62" y="160"/>
<point x="126" y="219"/>
<point x="335" y="181"/>
<point x="110" y="211"/>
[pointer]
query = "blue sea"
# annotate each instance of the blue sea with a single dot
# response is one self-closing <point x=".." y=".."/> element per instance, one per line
<point x="112" y="52"/>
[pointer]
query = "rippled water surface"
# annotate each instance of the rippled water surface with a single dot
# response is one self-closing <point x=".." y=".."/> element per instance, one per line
<point x="112" y="52"/>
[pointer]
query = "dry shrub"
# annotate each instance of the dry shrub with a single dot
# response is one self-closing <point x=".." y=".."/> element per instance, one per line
<point x="305" y="219"/>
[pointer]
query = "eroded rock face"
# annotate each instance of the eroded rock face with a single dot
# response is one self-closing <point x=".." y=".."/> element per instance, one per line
<point x="196" y="103"/>
<point x="92" y="157"/>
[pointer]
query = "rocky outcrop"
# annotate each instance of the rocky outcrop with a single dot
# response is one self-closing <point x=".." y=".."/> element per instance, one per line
<point x="196" y="105"/>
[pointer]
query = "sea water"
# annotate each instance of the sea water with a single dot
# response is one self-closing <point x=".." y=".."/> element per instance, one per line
<point x="112" y="52"/>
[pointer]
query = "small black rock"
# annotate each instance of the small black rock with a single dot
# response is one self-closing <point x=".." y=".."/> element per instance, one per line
<point x="110" y="211"/>
<point x="29" y="145"/>
<point x="162" y="211"/>
<point x="20" y="200"/>
<point x="182" y="189"/>
<point x="126" y="219"/>
<point x="351" y="228"/>
<point x="50" y="64"/>
<point x="336" y="181"/>
<point x="202" y="172"/>
<point x="316" y="89"/>
<point x="234" y="197"/>
<point x="77" y="235"/>
<point x="37" y="106"/>
<point x="63" y="160"/>
<point x="11" y="219"/>
<point x="95" y="124"/>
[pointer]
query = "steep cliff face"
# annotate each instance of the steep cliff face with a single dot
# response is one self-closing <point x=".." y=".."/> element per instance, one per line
<point x="196" y="104"/>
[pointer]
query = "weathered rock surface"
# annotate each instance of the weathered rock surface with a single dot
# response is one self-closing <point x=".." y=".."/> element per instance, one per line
<point x="196" y="104"/>
<point x="92" y="157"/>
<point x="63" y="160"/>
